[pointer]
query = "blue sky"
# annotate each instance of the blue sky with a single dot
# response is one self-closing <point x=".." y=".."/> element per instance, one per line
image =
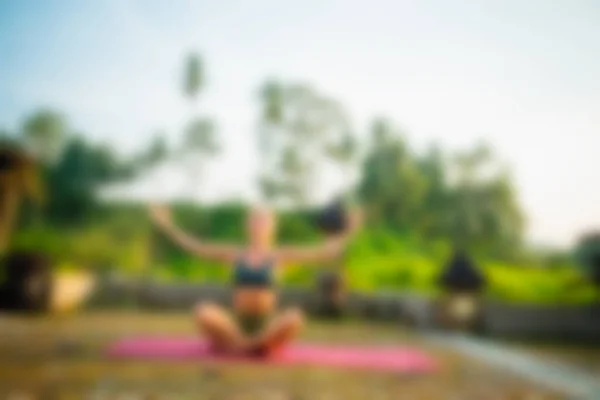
<point x="523" y="75"/>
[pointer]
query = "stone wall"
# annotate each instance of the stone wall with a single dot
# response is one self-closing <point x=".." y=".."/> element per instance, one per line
<point x="543" y="322"/>
<point x="152" y="295"/>
<point x="520" y="321"/>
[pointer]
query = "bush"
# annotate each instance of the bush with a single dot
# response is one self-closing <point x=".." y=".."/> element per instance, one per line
<point x="376" y="259"/>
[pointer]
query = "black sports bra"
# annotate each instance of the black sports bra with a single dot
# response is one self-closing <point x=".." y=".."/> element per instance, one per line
<point x="245" y="275"/>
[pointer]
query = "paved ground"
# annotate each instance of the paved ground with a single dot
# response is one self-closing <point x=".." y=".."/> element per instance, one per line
<point x="543" y="364"/>
<point x="584" y="359"/>
<point x="62" y="358"/>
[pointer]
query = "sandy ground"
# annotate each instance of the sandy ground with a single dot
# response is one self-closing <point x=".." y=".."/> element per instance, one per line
<point x="63" y="358"/>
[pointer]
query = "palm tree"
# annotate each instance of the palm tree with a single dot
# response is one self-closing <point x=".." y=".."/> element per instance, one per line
<point x="199" y="144"/>
<point x="193" y="76"/>
<point x="19" y="179"/>
<point x="199" y="141"/>
<point x="271" y="96"/>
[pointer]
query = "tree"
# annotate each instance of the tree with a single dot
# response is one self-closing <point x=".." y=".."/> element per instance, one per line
<point x="484" y="211"/>
<point x="295" y="136"/>
<point x="503" y="219"/>
<point x="392" y="184"/>
<point x="435" y="203"/>
<point x="73" y="180"/>
<point x="467" y="199"/>
<point x="271" y="97"/>
<point x="198" y="146"/>
<point x="587" y="253"/>
<point x="19" y="179"/>
<point x="199" y="136"/>
<point x="44" y="133"/>
<point x="193" y="81"/>
<point x="5" y="138"/>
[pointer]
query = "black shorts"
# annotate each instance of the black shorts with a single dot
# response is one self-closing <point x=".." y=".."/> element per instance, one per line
<point x="252" y="324"/>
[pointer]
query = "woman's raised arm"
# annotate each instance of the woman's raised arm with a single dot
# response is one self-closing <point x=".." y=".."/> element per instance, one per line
<point x="330" y="249"/>
<point x="161" y="216"/>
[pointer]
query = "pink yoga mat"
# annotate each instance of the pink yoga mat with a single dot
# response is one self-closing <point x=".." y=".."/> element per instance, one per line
<point x="374" y="358"/>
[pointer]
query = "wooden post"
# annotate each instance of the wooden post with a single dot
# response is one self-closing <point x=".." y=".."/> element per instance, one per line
<point x="9" y="208"/>
<point x="332" y="290"/>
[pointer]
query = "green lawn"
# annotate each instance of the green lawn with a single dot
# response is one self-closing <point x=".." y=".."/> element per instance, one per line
<point x="62" y="358"/>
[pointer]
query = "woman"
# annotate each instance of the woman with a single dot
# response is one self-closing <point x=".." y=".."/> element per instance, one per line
<point x="253" y="326"/>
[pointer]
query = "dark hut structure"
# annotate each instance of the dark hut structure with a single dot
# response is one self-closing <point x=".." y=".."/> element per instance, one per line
<point x="27" y="282"/>
<point x="462" y="275"/>
<point x="462" y="285"/>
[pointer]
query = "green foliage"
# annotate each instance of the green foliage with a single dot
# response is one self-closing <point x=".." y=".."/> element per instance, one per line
<point x="156" y="152"/>
<point x="200" y="137"/>
<point x="199" y="142"/>
<point x="392" y="187"/>
<point x="74" y="179"/>
<point x="538" y="285"/>
<point x="300" y="129"/>
<point x="587" y="252"/>
<point x="44" y="132"/>
<point x="377" y="259"/>
<point x="193" y="76"/>
<point x="466" y="200"/>
<point x="100" y="248"/>
<point x="19" y="180"/>
<point x="419" y="206"/>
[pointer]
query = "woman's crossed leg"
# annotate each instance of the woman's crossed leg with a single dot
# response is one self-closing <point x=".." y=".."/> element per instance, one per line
<point x="224" y="333"/>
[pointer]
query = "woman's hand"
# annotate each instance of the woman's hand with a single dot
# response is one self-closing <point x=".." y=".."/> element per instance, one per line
<point x="161" y="215"/>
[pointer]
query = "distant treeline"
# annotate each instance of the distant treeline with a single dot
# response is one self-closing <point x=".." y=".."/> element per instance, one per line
<point x="419" y="205"/>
